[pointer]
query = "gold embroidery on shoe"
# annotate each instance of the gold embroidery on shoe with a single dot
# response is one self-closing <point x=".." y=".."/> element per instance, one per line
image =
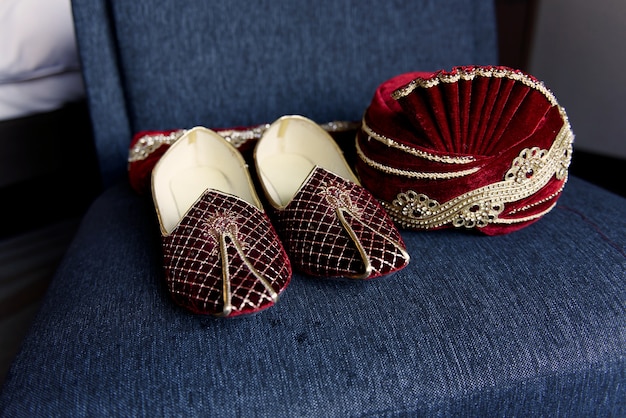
<point x="338" y="197"/>
<point x="222" y="226"/>
<point x="222" y="223"/>
<point x="529" y="173"/>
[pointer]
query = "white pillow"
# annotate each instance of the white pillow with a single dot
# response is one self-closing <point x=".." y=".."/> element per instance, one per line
<point x="39" y="66"/>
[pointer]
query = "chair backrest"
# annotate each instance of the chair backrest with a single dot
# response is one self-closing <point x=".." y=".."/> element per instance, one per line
<point x="166" y="64"/>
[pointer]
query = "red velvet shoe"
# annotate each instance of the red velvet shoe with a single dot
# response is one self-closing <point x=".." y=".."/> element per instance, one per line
<point x="329" y="224"/>
<point x="221" y="254"/>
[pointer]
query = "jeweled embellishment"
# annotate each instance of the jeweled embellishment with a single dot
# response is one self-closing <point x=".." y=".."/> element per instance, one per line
<point x="529" y="162"/>
<point x="565" y="159"/>
<point x="478" y="215"/>
<point x="420" y="210"/>
<point x="416" y="205"/>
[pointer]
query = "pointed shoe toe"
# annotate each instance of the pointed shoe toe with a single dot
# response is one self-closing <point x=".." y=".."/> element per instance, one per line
<point x="221" y="254"/>
<point x="329" y="224"/>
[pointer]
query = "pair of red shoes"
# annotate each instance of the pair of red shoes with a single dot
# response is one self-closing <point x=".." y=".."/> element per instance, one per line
<point x="222" y="255"/>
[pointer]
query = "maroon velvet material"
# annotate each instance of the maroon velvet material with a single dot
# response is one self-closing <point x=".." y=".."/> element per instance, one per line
<point x="319" y="245"/>
<point x="192" y="258"/>
<point x="491" y="119"/>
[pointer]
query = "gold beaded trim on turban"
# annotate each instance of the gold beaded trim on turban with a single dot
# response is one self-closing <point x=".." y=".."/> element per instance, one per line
<point x="470" y="74"/>
<point x="529" y="172"/>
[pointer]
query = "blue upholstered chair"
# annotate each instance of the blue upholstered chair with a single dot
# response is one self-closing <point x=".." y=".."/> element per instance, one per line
<point x="531" y="323"/>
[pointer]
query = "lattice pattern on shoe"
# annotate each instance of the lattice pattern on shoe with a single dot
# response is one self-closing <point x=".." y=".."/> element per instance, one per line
<point x="318" y="242"/>
<point x="224" y="227"/>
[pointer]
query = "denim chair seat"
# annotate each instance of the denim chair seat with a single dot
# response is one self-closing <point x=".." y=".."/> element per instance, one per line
<point x="531" y="323"/>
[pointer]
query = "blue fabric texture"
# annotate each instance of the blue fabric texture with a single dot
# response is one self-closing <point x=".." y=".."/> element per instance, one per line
<point x="168" y="65"/>
<point x="528" y="324"/>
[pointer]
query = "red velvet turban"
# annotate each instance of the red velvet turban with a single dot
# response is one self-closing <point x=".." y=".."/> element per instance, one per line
<point x="486" y="148"/>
